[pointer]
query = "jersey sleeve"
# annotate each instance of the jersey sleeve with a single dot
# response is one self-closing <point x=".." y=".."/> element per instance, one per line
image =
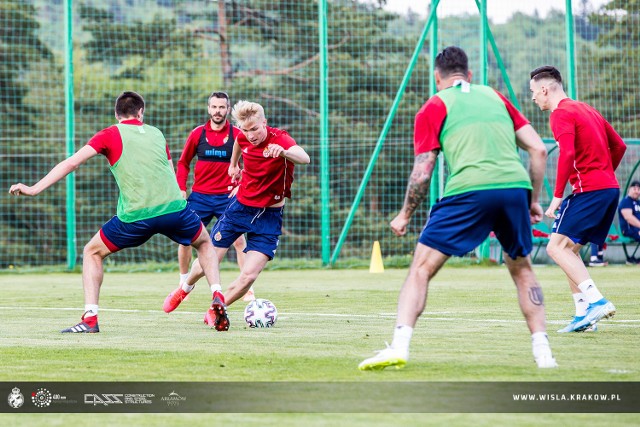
<point x="626" y="203"/>
<point x="566" y="159"/>
<point x="188" y="153"/>
<point x="517" y="117"/>
<point x="617" y="147"/>
<point x="561" y="123"/>
<point x="285" y="140"/>
<point x="108" y="142"/>
<point x="428" y="125"/>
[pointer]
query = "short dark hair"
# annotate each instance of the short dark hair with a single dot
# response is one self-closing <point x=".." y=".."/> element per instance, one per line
<point x="128" y="104"/>
<point x="546" y="72"/>
<point x="452" y="60"/>
<point x="634" y="183"/>
<point x="221" y="95"/>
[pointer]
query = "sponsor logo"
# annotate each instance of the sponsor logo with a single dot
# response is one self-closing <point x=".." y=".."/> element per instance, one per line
<point x="15" y="399"/>
<point x="173" y="399"/>
<point x="107" y="399"/>
<point x="104" y="399"/>
<point x="41" y="398"/>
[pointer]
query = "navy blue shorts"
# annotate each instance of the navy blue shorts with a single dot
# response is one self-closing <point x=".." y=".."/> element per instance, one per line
<point x="263" y="227"/>
<point x="458" y="224"/>
<point x="587" y="217"/>
<point x="182" y="227"/>
<point x="208" y="205"/>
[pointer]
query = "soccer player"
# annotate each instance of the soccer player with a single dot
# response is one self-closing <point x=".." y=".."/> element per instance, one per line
<point x="268" y="155"/>
<point x="590" y="151"/>
<point x="149" y="203"/>
<point x="212" y="143"/>
<point x="478" y="130"/>
<point x="629" y="216"/>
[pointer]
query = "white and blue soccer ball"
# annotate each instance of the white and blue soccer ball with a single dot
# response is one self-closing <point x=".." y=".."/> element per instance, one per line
<point x="260" y="313"/>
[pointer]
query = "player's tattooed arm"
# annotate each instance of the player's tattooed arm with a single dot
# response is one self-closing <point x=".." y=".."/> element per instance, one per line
<point x="419" y="180"/>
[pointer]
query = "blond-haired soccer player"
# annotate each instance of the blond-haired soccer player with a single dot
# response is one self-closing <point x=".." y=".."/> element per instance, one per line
<point x="269" y="156"/>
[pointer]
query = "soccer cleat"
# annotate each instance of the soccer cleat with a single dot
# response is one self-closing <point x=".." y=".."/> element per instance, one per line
<point x="173" y="300"/>
<point x="216" y="316"/>
<point x="546" y="361"/>
<point x="598" y="263"/>
<point x="387" y="357"/>
<point x="573" y="326"/>
<point x="90" y="327"/>
<point x="602" y="309"/>
<point x="592" y="328"/>
<point x="249" y="296"/>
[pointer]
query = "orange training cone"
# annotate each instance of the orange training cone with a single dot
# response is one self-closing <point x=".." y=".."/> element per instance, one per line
<point x="376" y="259"/>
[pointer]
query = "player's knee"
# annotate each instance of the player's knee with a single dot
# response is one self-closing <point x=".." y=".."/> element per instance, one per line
<point x="247" y="278"/>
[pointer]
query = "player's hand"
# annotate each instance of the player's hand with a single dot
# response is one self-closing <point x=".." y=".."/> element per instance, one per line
<point x="535" y="213"/>
<point x="553" y="207"/>
<point x="233" y="192"/>
<point x="235" y="173"/>
<point x="275" y="150"/>
<point x="184" y="194"/>
<point x="21" y="189"/>
<point x="399" y="224"/>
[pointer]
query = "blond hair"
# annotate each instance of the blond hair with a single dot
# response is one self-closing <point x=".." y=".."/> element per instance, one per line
<point x="246" y="110"/>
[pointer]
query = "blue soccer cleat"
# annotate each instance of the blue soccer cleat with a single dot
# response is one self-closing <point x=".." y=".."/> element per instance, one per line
<point x="602" y="309"/>
<point x="576" y="325"/>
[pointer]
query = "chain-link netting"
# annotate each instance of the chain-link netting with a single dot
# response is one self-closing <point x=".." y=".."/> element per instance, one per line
<point x="176" y="52"/>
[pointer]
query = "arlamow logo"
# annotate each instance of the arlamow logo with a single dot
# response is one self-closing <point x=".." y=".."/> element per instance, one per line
<point x="173" y="399"/>
<point x="105" y="399"/>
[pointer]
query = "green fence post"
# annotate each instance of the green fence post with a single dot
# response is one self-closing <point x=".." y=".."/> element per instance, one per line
<point x="571" y="52"/>
<point x="434" y="186"/>
<point x="325" y="213"/>
<point x="70" y="136"/>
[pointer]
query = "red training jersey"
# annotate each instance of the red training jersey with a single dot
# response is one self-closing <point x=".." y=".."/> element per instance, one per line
<point x="265" y="180"/>
<point x="108" y="142"/>
<point x="590" y="149"/>
<point x="211" y="171"/>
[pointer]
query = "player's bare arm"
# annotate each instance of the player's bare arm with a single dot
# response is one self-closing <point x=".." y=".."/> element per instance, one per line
<point x="59" y="171"/>
<point x="296" y="153"/>
<point x="417" y="189"/>
<point x="234" y="163"/>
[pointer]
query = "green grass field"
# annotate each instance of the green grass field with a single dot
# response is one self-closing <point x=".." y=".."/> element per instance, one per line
<point x="329" y="320"/>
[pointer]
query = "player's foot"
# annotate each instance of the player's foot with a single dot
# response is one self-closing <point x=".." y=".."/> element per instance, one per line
<point x="598" y="263"/>
<point x="216" y="316"/>
<point x="88" y="325"/>
<point x="173" y="300"/>
<point x="576" y="325"/>
<point x="546" y="361"/>
<point x="602" y="309"/>
<point x="249" y="296"/>
<point x="387" y="357"/>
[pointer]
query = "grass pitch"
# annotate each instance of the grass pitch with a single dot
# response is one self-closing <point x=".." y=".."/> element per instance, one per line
<point x="329" y="320"/>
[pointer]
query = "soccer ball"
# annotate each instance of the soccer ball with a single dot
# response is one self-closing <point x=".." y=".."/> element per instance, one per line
<point x="260" y="313"/>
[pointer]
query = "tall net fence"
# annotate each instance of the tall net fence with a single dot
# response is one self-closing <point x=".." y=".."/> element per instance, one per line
<point x="176" y="52"/>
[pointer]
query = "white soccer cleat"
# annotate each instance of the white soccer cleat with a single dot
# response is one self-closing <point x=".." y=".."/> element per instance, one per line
<point x="545" y="362"/>
<point x="387" y="357"/>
